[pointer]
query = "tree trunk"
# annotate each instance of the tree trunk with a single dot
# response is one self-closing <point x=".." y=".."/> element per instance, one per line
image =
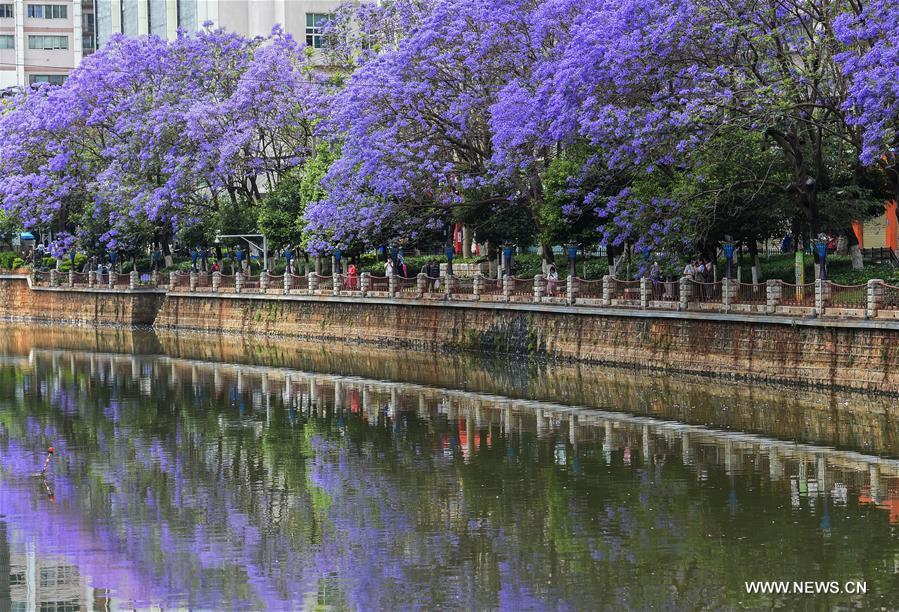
<point x="466" y="241"/>
<point x="166" y="252"/>
<point x="756" y="263"/>
<point x="546" y="251"/>
<point x="855" y="251"/>
<point x="490" y="251"/>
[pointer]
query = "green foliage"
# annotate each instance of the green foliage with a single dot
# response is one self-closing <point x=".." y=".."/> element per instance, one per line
<point x="280" y="215"/>
<point x="10" y="260"/>
<point x="9" y="226"/>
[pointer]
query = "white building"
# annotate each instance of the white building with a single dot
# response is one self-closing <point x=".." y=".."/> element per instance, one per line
<point x="43" y="40"/>
<point x="301" y="18"/>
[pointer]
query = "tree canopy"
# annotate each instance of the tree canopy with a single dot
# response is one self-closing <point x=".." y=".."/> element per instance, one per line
<point x="653" y="123"/>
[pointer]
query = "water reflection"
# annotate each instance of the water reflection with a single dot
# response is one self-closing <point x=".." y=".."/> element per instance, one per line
<point x="180" y="482"/>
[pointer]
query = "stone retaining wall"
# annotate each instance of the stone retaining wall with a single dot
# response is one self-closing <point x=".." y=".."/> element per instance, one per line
<point x="77" y="306"/>
<point x="851" y="354"/>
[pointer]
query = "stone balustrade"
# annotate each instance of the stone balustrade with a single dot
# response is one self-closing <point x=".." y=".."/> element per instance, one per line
<point x="876" y="299"/>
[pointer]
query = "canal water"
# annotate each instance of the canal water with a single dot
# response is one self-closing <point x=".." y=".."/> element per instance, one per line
<point x="209" y="473"/>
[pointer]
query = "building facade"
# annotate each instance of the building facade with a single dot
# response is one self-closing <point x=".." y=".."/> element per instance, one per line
<point x="302" y="18"/>
<point x="44" y="40"/>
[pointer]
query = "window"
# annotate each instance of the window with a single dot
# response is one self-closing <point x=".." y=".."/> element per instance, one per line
<point x="87" y="42"/>
<point x="48" y="43"/>
<point x="6" y="10"/>
<point x="53" y="79"/>
<point x="7" y="41"/>
<point x="315" y="22"/>
<point x="48" y="11"/>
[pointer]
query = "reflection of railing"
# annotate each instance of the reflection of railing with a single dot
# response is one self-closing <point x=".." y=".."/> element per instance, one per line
<point x="797" y="295"/>
<point x="848" y="296"/>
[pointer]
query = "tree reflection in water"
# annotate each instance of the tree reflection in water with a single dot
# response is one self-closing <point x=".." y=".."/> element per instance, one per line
<point x="185" y="483"/>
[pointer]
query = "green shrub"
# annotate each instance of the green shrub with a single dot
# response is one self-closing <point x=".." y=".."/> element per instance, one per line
<point x="6" y="259"/>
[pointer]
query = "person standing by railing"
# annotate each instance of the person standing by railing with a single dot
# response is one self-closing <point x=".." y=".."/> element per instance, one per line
<point x="655" y="277"/>
<point x="552" y="281"/>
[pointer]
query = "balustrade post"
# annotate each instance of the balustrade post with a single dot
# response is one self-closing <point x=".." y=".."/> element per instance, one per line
<point x="507" y="286"/>
<point x="539" y="287"/>
<point x="134" y="281"/>
<point x="478" y="285"/>
<point x="91" y="279"/>
<point x="448" y="285"/>
<point x="645" y="286"/>
<point x="288" y="281"/>
<point x="822" y="296"/>
<point x="112" y="277"/>
<point x="686" y="290"/>
<point x="238" y="281"/>
<point x="71" y="278"/>
<point x="606" y="290"/>
<point x="173" y="281"/>
<point x="728" y="288"/>
<point x="216" y="281"/>
<point x="154" y="278"/>
<point x="312" y="279"/>
<point x="263" y="281"/>
<point x="572" y="289"/>
<point x="391" y="286"/>
<point x="365" y="283"/>
<point x="54" y="278"/>
<point x="335" y="283"/>
<point x="192" y="281"/>
<point x="775" y="291"/>
<point x="875" y="297"/>
<point x="422" y="282"/>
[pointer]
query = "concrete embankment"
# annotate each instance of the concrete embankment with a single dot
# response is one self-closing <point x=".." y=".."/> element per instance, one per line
<point x="858" y="354"/>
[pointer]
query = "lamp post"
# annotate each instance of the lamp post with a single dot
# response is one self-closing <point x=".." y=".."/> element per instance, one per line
<point x="450" y="252"/>
<point x="571" y="250"/>
<point x="728" y="246"/>
<point x="821" y="248"/>
<point x="246" y="238"/>
<point x="507" y="258"/>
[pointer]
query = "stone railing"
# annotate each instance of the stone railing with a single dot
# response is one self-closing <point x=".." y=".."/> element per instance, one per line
<point x="875" y="299"/>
